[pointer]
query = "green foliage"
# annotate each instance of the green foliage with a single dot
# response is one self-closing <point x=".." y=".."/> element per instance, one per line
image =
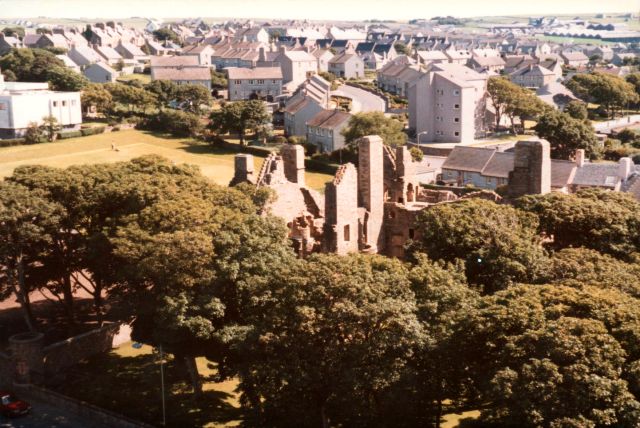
<point x="165" y="91"/>
<point x="566" y="135"/>
<point x="401" y="48"/>
<point x="193" y="97"/>
<point x="94" y="130"/>
<point x="175" y="122"/>
<point x="577" y="110"/>
<point x="612" y="92"/>
<point x="166" y="33"/>
<point x="34" y="134"/>
<point x="39" y="65"/>
<point x="218" y="80"/>
<point x="239" y="116"/>
<point x="605" y="221"/>
<point x="375" y="123"/>
<point x="131" y="97"/>
<point x="498" y="244"/>
<point x="15" y="31"/>
<point x="416" y="154"/>
<point x="513" y="101"/>
<point x="95" y="94"/>
<point x="69" y="134"/>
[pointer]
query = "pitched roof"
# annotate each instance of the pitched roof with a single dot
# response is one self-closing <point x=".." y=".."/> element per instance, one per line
<point x="597" y="174"/>
<point x="329" y="119"/>
<point x="175" y="61"/>
<point x="254" y="73"/>
<point x="343" y="58"/>
<point x="468" y="158"/>
<point x="296" y="105"/>
<point x="188" y="73"/>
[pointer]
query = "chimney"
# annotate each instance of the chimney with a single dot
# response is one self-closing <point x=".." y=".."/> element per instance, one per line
<point x="282" y="49"/>
<point x="580" y="158"/>
<point x="262" y="57"/>
<point x="625" y="167"/>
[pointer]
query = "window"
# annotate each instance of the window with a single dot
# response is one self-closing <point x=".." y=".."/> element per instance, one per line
<point x="456" y="92"/>
<point x="238" y="82"/>
<point x="260" y="82"/>
<point x="412" y="233"/>
<point x="251" y="82"/>
<point x="64" y="103"/>
<point x="456" y="106"/>
<point x="73" y="102"/>
<point x="456" y="119"/>
<point x="55" y="104"/>
<point x="347" y="233"/>
<point x="457" y="134"/>
<point x="274" y="81"/>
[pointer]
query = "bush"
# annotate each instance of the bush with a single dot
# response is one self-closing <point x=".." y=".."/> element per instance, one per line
<point x="175" y="122"/>
<point x="92" y="131"/>
<point x="278" y="139"/>
<point x="12" y="142"/>
<point x="636" y="159"/>
<point x="416" y="154"/>
<point x="296" y="139"/>
<point x="69" y="134"/>
<point x="115" y="129"/>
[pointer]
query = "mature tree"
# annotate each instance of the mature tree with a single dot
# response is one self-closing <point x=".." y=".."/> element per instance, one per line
<point x="239" y="116"/>
<point x="334" y="336"/>
<point x="401" y="48"/>
<point x="27" y="221"/>
<point x="375" y="123"/>
<point x="577" y="110"/>
<point x="502" y="93"/>
<point x="566" y="135"/>
<point x="634" y="79"/>
<point x="39" y="65"/>
<point x="65" y="79"/>
<point x="166" y="33"/>
<point x="416" y="154"/>
<point x="612" y="92"/>
<point x="165" y="91"/>
<point x="218" y="80"/>
<point x="15" y="31"/>
<point x="95" y="94"/>
<point x="131" y="97"/>
<point x="558" y="356"/>
<point x="176" y="122"/>
<point x="437" y="371"/>
<point x="193" y="97"/>
<point x="605" y="221"/>
<point x="498" y="244"/>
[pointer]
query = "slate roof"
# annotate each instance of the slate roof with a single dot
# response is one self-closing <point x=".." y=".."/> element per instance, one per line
<point x="174" y="61"/>
<point x="597" y="174"/>
<point x="190" y="73"/>
<point x="254" y="73"/>
<point x="329" y="119"/>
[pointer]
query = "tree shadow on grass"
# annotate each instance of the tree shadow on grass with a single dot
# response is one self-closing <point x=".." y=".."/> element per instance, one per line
<point x="131" y="386"/>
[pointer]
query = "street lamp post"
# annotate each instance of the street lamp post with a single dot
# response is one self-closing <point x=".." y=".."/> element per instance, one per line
<point x="418" y="136"/>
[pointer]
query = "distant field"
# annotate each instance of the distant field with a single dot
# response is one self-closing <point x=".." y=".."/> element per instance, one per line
<point x="215" y="164"/>
<point x="559" y="39"/>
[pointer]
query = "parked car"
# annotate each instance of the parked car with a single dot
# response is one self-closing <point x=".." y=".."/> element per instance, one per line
<point x="11" y="406"/>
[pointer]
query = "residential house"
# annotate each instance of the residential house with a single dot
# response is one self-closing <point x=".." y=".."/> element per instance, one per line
<point x="109" y="55"/>
<point x="621" y="58"/>
<point x="69" y="63"/>
<point x="533" y="76"/>
<point x="486" y="60"/>
<point x="397" y="78"/>
<point x="172" y="62"/>
<point x="52" y="41"/>
<point x="84" y="55"/>
<point x="31" y="40"/>
<point x="298" y="111"/>
<point x="100" y="72"/>
<point x="204" y="53"/>
<point x="555" y="94"/>
<point x="7" y="43"/>
<point x="347" y="65"/>
<point x="323" y="56"/>
<point x="458" y="56"/>
<point x="131" y="52"/>
<point x="574" y="58"/>
<point x="325" y="129"/>
<point x="254" y="83"/>
<point x="24" y="103"/>
<point x="448" y="104"/>
<point x="157" y="49"/>
<point x="431" y="57"/>
<point x="255" y="34"/>
<point x="296" y="66"/>
<point x="516" y="62"/>
<point x="185" y="75"/>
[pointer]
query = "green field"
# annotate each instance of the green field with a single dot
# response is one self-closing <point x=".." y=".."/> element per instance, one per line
<point x="214" y="163"/>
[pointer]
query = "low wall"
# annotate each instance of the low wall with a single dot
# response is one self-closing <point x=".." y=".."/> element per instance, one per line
<point x="66" y="353"/>
<point x="101" y="417"/>
<point x="371" y="91"/>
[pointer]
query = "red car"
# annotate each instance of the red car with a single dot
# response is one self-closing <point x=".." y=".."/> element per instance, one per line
<point x="11" y="406"/>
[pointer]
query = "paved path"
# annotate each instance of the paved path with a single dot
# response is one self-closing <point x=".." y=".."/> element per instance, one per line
<point x="47" y="416"/>
<point x="363" y="101"/>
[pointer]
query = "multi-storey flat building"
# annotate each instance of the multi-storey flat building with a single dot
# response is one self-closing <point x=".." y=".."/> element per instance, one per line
<point x="254" y="83"/>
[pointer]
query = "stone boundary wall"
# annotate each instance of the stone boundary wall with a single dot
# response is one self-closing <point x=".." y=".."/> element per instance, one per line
<point x="371" y="91"/>
<point x="68" y="352"/>
<point x="101" y="416"/>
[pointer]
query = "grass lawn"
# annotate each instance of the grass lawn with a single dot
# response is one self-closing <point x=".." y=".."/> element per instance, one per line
<point x="127" y="381"/>
<point x="214" y="163"/>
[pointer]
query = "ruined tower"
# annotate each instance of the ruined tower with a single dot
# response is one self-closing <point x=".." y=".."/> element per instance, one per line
<point x="341" y="212"/>
<point x="243" y="170"/>
<point x="371" y="191"/>
<point x="293" y="156"/>
<point x="531" y="173"/>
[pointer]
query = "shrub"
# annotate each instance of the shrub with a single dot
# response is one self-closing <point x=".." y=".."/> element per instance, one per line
<point x="92" y="131"/>
<point x="12" y="142"/>
<point x="115" y="129"/>
<point x="175" y="122"/>
<point x="278" y="139"/>
<point x="69" y="134"/>
<point x="416" y="154"/>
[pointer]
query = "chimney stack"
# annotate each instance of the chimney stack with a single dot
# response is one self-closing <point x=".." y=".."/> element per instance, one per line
<point x="625" y="167"/>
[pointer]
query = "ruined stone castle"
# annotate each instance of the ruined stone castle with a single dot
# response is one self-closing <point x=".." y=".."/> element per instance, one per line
<point x="371" y="208"/>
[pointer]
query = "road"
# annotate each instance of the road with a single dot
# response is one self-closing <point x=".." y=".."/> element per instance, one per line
<point x="606" y="127"/>
<point x="47" y="416"/>
<point x="363" y="101"/>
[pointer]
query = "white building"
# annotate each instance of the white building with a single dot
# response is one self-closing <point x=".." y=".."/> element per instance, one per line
<point x="24" y="103"/>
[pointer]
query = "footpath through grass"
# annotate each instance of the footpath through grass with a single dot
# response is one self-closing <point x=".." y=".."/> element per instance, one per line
<point x="127" y="381"/>
<point x="214" y="163"/>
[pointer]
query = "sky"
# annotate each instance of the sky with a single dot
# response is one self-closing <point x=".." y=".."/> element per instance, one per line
<point x="305" y="9"/>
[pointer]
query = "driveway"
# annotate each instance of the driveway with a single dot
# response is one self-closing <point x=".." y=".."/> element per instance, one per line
<point x="44" y="415"/>
<point x="363" y="101"/>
